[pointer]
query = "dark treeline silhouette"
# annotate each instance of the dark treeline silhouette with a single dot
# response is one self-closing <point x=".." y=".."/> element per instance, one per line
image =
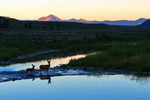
<point x="4" y="23"/>
<point x="10" y="23"/>
<point x="47" y="25"/>
<point x="28" y="25"/>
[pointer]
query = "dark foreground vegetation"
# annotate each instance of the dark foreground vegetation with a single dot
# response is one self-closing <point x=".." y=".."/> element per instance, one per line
<point x="133" y="56"/>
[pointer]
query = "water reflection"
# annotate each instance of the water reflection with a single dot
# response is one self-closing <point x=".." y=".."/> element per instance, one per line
<point x="54" y="62"/>
<point x="107" y="87"/>
<point x="142" y="79"/>
<point x="47" y="78"/>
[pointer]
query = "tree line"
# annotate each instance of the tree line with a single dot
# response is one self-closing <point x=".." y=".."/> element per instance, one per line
<point x="53" y="27"/>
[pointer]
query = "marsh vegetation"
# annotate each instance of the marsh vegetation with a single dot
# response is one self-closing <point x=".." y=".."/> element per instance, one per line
<point x="122" y="55"/>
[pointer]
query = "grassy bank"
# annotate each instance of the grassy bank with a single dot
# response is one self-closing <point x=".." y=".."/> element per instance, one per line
<point x="10" y="47"/>
<point x="17" y="42"/>
<point x="120" y="55"/>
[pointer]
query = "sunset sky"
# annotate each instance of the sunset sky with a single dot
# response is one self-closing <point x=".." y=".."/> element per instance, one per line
<point x="66" y="9"/>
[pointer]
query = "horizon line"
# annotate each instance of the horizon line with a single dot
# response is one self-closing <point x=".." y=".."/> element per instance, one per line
<point x="77" y="18"/>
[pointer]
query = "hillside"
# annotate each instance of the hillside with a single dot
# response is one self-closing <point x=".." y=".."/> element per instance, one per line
<point x="146" y="23"/>
<point x="6" y="22"/>
<point x="125" y="22"/>
<point x="49" y="25"/>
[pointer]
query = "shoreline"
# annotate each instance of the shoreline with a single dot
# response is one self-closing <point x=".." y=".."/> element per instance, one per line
<point x="28" y="55"/>
<point x="55" y="72"/>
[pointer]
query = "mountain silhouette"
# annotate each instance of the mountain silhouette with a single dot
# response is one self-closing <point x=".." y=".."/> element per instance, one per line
<point x="117" y="22"/>
<point x="146" y="23"/>
<point x="125" y="22"/>
<point x="50" y="18"/>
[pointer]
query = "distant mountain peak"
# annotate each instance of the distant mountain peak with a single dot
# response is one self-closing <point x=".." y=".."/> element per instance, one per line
<point x="50" y="18"/>
<point x="83" y="20"/>
<point x="51" y="15"/>
<point x="73" y="19"/>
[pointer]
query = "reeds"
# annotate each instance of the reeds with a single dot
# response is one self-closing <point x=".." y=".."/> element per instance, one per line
<point x="124" y="55"/>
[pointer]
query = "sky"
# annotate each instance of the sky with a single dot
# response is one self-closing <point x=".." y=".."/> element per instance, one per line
<point x="67" y="9"/>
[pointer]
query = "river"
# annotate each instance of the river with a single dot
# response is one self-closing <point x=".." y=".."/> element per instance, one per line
<point x="73" y="86"/>
<point x="112" y="87"/>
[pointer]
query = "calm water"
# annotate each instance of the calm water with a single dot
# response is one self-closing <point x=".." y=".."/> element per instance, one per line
<point x="102" y="87"/>
<point x="116" y="87"/>
<point x="54" y="62"/>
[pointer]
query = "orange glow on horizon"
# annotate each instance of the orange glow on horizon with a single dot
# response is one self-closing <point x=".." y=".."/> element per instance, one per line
<point x="66" y="9"/>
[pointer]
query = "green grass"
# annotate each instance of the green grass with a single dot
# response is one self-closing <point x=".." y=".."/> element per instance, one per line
<point x="119" y="56"/>
<point x="12" y="47"/>
<point x="13" y="43"/>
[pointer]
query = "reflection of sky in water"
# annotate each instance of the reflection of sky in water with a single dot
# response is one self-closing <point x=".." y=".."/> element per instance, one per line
<point x="115" y="87"/>
<point x="54" y="62"/>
